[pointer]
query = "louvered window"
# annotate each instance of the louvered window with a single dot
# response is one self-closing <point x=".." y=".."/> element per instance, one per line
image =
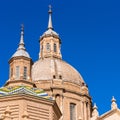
<point x="17" y="72"/>
<point x="11" y="72"/>
<point x="48" y="47"/>
<point x="25" y="73"/>
<point x="55" y="48"/>
<point x="72" y="111"/>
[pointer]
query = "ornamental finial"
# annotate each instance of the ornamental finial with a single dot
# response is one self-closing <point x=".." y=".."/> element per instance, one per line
<point x="50" y="9"/>
<point x="21" y="44"/>
<point x="95" y="111"/>
<point x="50" y="18"/>
<point x="114" y="104"/>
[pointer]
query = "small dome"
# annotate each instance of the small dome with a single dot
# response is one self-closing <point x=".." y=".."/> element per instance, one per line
<point x="21" y="52"/>
<point x="50" y="32"/>
<point x="51" y="68"/>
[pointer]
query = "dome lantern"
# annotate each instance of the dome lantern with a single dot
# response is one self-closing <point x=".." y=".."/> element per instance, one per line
<point x="50" y="42"/>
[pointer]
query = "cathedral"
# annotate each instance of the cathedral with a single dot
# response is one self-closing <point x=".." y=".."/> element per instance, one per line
<point x="49" y="88"/>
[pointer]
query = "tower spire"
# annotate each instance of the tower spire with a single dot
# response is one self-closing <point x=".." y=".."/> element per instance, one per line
<point x="21" y="44"/>
<point x="50" y="18"/>
<point x="21" y="51"/>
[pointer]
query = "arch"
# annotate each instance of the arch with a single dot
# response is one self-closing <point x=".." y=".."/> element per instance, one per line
<point x="17" y="72"/>
<point x="25" y="73"/>
<point x="54" y="76"/>
<point x="55" y="47"/>
<point x="72" y="111"/>
<point x="48" y="46"/>
<point x="60" y="76"/>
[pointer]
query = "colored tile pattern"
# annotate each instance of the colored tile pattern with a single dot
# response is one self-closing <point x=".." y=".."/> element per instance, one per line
<point x="4" y="91"/>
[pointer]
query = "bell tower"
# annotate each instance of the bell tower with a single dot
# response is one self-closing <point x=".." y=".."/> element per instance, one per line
<point x="50" y="41"/>
<point x="20" y="65"/>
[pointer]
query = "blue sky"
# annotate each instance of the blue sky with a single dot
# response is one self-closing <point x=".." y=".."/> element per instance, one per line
<point x="90" y="34"/>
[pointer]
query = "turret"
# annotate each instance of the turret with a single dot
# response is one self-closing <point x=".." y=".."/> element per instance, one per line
<point x="20" y="64"/>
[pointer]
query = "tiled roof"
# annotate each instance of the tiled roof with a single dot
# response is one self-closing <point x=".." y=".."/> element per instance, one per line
<point x="10" y="90"/>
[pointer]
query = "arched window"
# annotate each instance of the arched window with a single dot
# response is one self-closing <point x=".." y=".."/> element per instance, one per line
<point x="42" y="47"/>
<point x="72" y="111"/>
<point x="17" y="72"/>
<point x="48" y="47"/>
<point x="25" y="73"/>
<point x="55" y="47"/>
<point x="60" y="76"/>
<point x="11" y="72"/>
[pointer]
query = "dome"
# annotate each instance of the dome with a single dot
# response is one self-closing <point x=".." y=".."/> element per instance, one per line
<point x="53" y="68"/>
<point x="50" y="32"/>
<point x="21" y="53"/>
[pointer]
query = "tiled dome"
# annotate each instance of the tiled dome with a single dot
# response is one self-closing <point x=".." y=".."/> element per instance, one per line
<point x="21" y="52"/>
<point x="53" y="68"/>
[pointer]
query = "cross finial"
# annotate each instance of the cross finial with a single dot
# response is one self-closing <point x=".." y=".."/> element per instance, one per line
<point x="21" y="44"/>
<point x="50" y="9"/>
<point x="22" y="27"/>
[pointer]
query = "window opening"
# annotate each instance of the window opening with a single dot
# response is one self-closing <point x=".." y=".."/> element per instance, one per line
<point x="54" y="77"/>
<point x="17" y="71"/>
<point x="72" y="111"/>
<point x="48" y="47"/>
<point x="55" y="48"/>
<point x="60" y="76"/>
<point x="11" y="72"/>
<point x="25" y="73"/>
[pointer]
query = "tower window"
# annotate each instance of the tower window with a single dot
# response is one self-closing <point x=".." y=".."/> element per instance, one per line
<point x="48" y="47"/>
<point x="42" y="47"/>
<point x="17" y="72"/>
<point x="72" y="111"/>
<point x="25" y="73"/>
<point x="11" y="72"/>
<point x="55" y="48"/>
